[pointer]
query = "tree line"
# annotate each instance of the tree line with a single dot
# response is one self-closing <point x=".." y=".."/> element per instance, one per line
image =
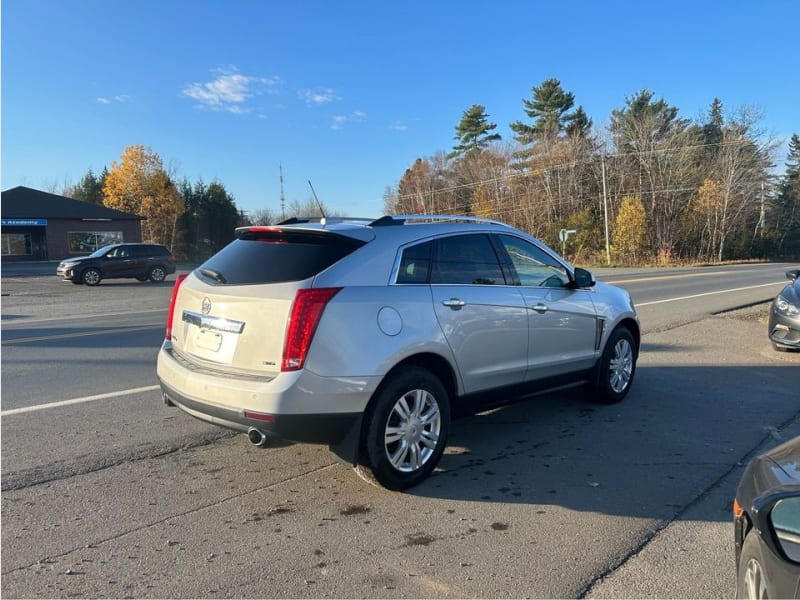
<point x="651" y="187"/>
<point x="195" y="220"/>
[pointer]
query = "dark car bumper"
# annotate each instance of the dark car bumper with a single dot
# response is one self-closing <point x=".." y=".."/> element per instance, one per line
<point x="66" y="273"/>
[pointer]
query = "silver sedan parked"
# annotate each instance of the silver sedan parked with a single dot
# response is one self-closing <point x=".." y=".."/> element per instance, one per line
<point x="368" y="336"/>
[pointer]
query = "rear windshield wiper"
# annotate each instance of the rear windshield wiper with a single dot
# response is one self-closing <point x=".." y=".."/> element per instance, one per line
<point x="215" y="275"/>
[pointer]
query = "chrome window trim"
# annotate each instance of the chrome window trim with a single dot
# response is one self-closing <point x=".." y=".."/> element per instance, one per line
<point x="215" y="323"/>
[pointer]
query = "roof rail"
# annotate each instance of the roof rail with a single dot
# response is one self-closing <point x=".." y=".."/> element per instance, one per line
<point x="324" y="220"/>
<point x="389" y="220"/>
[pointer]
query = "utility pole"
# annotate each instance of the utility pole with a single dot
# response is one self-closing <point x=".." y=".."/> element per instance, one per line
<point x="283" y="200"/>
<point x="605" y="208"/>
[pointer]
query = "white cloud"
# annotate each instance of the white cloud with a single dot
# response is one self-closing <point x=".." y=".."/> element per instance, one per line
<point x="398" y="126"/>
<point x="118" y="98"/>
<point x="230" y="91"/>
<point x="317" y="97"/>
<point x="355" y="117"/>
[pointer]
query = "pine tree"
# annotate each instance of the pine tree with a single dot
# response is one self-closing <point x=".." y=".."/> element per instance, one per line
<point x="549" y="110"/>
<point x="472" y="132"/>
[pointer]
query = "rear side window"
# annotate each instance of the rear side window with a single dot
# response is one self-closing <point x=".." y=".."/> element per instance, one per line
<point x="466" y="260"/>
<point x="415" y="264"/>
<point x="275" y="256"/>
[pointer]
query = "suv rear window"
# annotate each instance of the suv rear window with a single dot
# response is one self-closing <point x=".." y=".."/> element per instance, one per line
<point x="275" y="256"/>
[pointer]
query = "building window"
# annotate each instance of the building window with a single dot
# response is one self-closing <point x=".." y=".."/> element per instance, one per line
<point x="83" y="242"/>
<point x="16" y="244"/>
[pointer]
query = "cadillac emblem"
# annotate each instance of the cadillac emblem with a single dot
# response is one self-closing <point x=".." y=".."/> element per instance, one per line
<point x="206" y="308"/>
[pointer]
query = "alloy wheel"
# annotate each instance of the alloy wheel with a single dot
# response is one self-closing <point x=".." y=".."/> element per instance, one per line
<point x="754" y="586"/>
<point x="412" y="430"/>
<point x="621" y="366"/>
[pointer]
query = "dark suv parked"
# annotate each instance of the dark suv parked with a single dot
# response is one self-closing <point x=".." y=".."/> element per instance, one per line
<point x="142" y="261"/>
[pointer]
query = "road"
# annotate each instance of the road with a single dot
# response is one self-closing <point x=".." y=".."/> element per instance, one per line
<point x="106" y="492"/>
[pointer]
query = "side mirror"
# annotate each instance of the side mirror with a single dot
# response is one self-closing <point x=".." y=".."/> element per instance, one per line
<point x="785" y="520"/>
<point x="582" y="279"/>
<point x="792" y="274"/>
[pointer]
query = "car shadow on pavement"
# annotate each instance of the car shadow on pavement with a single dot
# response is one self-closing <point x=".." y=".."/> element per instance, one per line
<point x="680" y="428"/>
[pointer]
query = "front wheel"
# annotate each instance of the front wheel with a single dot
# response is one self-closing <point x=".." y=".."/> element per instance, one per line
<point x="750" y="578"/>
<point x="91" y="277"/>
<point x="405" y="430"/>
<point x="616" y="368"/>
<point x="158" y="274"/>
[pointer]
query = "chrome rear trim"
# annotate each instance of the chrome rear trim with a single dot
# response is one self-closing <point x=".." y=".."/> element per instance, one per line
<point x="216" y="323"/>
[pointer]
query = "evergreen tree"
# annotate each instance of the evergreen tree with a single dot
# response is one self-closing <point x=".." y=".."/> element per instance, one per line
<point x="89" y="188"/>
<point x="473" y="132"/>
<point x="579" y="124"/>
<point x="711" y="132"/>
<point x="549" y="110"/>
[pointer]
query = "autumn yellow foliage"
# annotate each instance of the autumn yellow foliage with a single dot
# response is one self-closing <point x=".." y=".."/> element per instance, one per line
<point x="139" y="184"/>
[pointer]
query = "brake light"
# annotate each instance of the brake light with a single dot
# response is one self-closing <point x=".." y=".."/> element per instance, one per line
<point x="171" y="313"/>
<point x="306" y="312"/>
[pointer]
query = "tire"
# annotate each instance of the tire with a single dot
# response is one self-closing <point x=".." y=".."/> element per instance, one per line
<point x="91" y="276"/>
<point x="750" y="575"/>
<point x="617" y="366"/>
<point x="405" y="430"/>
<point x="157" y="274"/>
<point x="142" y="277"/>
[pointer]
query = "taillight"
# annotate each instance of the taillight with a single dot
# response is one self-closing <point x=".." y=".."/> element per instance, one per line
<point x="306" y="312"/>
<point x="171" y="313"/>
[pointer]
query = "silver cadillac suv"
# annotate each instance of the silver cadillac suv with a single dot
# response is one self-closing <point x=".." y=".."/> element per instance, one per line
<point x="368" y="336"/>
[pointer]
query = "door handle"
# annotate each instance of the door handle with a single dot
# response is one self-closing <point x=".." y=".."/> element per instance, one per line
<point x="454" y="303"/>
<point x="540" y="308"/>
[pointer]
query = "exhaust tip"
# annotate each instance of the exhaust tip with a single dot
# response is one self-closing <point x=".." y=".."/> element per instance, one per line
<point x="257" y="437"/>
<point x="166" y="399"/>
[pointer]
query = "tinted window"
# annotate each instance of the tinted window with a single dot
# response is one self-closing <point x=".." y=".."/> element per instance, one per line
<point x="153" y="250"/>
<point x="534" y="267"/>
<point x="276" y="256"/>
<point x="466" y="259"/>
<point x="415" y="264"/>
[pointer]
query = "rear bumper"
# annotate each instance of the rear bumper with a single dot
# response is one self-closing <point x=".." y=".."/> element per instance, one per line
<point x="299" y="406"/>
<point x="325" y="428"/>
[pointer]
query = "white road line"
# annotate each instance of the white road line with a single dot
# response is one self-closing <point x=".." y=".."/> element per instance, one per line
<point x="751" y="287"/>
<point x="27" y="409"/>
<point x="11" y="320"/>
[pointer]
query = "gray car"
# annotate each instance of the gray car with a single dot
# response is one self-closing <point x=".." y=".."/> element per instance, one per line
<point x="367" y="336"/>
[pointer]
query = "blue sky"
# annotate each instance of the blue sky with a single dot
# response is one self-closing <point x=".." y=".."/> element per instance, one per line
<point x="349" y="93"/>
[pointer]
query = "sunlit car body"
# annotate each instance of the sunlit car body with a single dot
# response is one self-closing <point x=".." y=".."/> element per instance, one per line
<point x="140" y="261"/>
<point x="365" y="336"/>
<point x="784" y="315"/>
<point x="767" y="525"/>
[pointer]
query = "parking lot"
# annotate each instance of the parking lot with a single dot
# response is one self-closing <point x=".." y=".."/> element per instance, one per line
<point x="109" y="493"/>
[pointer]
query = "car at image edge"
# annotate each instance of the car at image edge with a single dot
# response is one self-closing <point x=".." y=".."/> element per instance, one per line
<point x="784" y="315"/>
<point x="368" y="335"/>
<point x="766" y="520"/>
<point x="141" y="261"/>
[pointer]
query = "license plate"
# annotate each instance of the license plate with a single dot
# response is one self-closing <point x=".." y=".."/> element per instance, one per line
<point x="208" y="340"/>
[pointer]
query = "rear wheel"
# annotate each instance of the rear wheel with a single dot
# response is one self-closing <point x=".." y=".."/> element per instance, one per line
<point x="405" y="430"/>
<point x="158" y="274"/>
<point x="616" y="368"/>
<point x="91" y="277"/>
